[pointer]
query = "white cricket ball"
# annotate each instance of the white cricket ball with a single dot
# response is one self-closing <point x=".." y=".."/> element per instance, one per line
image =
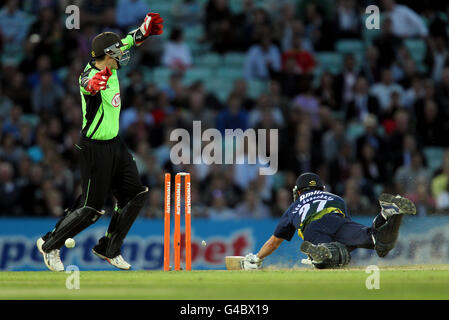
<point x="203" y="243"/>
<point x="70" y="243"/>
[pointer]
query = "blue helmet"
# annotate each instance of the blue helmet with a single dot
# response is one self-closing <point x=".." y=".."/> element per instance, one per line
<point x="309" y="180"/>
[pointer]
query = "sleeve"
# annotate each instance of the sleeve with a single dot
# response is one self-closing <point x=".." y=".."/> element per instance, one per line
<point x="84" y="78"/>
<point x="285" y="229"/>
<point x="128" y="41"/>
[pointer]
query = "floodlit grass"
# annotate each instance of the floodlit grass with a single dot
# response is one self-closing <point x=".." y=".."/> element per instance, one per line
<point x="411" y="282"/>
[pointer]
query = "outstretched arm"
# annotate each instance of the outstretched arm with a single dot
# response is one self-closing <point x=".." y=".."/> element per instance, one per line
<point x="269" y="247"/>
<point x="152" y="25"/>
<point x="254" y="261"/>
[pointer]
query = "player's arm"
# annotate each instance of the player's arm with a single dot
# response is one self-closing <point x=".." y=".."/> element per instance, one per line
<point x="152" y="25"/>
<point x="269" y="247"/>
<point x="284" y="231"/>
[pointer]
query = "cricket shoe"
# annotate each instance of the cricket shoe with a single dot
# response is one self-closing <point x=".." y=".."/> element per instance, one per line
<point x="117" y="261"/>
<point x="317" y="253"/>
<point x="52" y="259"/>
<point x="392" y="205"/>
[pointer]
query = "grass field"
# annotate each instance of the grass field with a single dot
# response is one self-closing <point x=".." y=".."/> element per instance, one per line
<point x="413" y="282"/>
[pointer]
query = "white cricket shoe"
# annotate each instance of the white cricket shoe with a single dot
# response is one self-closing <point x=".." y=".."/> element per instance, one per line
<point x="117" y="261"/>
<point x="52" y="259"/>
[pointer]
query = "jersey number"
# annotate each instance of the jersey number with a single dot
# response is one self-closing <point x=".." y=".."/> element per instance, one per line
<point x="305" y="208"/>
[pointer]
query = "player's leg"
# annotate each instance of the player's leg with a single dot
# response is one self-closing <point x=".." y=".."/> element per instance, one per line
<point x="386" y="224"/>
<point x="320" y="244"/>
<point x="94" y="162"/>
<point x="131" y="197"/>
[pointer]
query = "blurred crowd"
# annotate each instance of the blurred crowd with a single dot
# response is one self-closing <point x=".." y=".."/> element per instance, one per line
<point x="363" y="129"/>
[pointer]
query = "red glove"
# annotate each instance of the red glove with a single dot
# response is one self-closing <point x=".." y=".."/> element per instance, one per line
<point x="98" y="81"/>
<point x="156" y="24"/>
<point x="152" y="25"/>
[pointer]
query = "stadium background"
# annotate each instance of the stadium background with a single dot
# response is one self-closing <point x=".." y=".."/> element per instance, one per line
<point x="368" y="110"/>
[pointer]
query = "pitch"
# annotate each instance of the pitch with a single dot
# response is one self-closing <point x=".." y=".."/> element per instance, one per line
<point x="408" y="282"/>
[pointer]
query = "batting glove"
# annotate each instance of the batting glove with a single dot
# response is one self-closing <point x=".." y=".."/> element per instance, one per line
<point x="251" y="262"/>
<point x="98" y="81"/>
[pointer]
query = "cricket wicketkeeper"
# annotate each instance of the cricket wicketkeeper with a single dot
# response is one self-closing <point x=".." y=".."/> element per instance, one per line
<point x="322" y="221"/>
<point x="104" y="160"/>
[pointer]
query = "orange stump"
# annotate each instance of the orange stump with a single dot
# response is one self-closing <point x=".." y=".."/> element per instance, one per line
<point x="167" y="222"/>
<point x="177" y="232"/>
<point x="177" y="235"/>
<point x="188" y="211"/>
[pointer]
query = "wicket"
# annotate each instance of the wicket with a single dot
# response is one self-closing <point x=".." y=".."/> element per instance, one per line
<point x="177" y="233"/>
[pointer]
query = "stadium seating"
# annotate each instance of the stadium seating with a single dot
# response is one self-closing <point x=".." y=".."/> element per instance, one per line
<point x="434" y="157"/>
<point x="417" y="49"/>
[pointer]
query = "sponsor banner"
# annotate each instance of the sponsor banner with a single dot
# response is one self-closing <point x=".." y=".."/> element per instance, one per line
<point x="421" y="241"/>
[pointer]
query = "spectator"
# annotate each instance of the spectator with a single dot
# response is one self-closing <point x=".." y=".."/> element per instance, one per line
<point x="282" y="201"/>
<point x="383" y="89"/>
<point x="440" y="181"/>
<point x="219" y="209"/>
<point x="437" y="57"/>
<point x="186" y="13"/>
<point x="13" y="24"/>
<point x="387" y="43"/>
<point x="262" y="60"/>
<point x="252" y="207"/>
<point x="442" y="202"/>
<point x="177" y="55"/>
<point x="233" y="117"/>
<point x="363" y="103"/>
<point x="423" y="200"/>
<point x="373" y="168"/>
<point x="347" y="19"/>
<point x="318" y="28"/>
<point x="266" y="110"/>
<point x="406" y="176"/>
<point x="371" y="136"/>
<point x="16" y="93"/>
<point x="327" y="91"/>
<point x="405" y="22"/>
<point x="442" y="96"/>
<point x="333" y="141"/>
<point x="304" y="61"/>
<point x="9" y="191"/>
<point x="130" y="12"/>
<point x="345" y="81"/>
<point x="356" y="203"/>
<point x="217" y="14"/>
<point x="294" y="29"/>
<point x="307" y="102"/>
<point x="47" y="95"/>
<point x="430" y="126"/>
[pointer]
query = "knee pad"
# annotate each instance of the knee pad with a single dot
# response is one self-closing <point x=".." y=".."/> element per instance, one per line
<point x="72" y="224"/>
<point x="124" y="220"/>
<point x="340" y="256"/>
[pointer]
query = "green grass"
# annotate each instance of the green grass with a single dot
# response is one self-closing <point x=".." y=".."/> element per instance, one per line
<point x="415" y="282"/>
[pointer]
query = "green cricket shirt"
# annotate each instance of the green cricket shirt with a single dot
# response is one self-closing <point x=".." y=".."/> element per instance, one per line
<point x="101" y="112"/>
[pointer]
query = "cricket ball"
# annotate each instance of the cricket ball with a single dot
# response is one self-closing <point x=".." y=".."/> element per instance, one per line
<point x="70" y="243"/>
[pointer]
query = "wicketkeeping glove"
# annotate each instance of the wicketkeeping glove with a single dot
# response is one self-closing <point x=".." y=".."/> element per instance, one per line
<point x="152" y="25"/>
<point x="251" y="262"/>
<point x="98" y="81"/>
